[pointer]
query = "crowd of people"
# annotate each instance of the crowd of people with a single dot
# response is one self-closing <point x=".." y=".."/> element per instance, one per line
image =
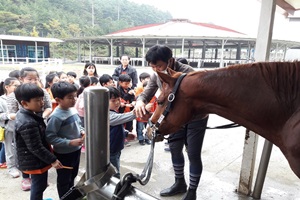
<point x="44" y="122"/>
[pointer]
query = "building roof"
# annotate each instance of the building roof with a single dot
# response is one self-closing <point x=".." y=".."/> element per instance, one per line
<point x="179" y="28"/>
<point x="27" y="38"/>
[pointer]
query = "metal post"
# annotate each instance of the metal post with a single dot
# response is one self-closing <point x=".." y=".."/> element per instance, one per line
<point x="96" y="127"/>
<point x="248" y="162"/>
<point x="262" y="53"/>
<point x="262" y="169"/>
<point x="96" y="119"/>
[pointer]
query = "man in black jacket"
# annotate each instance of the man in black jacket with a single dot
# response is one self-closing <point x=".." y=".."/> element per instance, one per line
<point x="125" y="68"/>
<point x="159" y="58"/>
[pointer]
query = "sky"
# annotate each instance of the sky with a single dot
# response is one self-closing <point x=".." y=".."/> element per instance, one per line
<point x="240" y="15"/>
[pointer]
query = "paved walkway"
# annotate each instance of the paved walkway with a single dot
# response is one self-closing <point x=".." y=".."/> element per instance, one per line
<point x="222" y="154"/>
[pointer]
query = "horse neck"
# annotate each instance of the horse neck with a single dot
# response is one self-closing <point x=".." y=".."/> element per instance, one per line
<point x="232" y="94"/>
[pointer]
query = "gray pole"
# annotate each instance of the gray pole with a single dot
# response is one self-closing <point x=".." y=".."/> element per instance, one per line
<point x="262" y="169"/>
<point x="96" y="128"/>
<point x="262" y="53"/>
<point x="96" y="120"/>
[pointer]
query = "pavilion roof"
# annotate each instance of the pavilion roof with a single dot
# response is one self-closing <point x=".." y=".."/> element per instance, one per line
<point x="179" y="28"/>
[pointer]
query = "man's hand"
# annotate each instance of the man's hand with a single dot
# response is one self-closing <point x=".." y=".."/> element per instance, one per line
<point x="140" y="109"/>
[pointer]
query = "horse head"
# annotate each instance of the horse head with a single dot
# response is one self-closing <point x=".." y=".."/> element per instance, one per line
<point x="169" y="114"/>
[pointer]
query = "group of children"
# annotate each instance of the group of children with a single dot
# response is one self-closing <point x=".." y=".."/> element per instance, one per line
<point x="45" y="126"/>
<point x="31" y="146"/>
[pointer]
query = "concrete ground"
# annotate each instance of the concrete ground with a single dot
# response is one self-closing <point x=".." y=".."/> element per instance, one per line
<point x="221" y="155"/>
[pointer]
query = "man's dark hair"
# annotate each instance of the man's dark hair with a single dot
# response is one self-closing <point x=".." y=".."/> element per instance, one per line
<point x="113" y="92"/>
<point x="143" y="76"/>
<point x="62" y="89"/>
<point x="158" y="52"/>
<point x="105" y="78"/>
<point x="124" y="78"/>
<point x="28" y="91"/>
<point x="72" y="74"/>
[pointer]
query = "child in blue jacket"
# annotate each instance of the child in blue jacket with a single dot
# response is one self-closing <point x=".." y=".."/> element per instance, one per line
<point x="117" y="131"/>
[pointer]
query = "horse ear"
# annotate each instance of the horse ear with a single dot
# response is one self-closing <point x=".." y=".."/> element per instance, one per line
<point x="166" y="78"/>
<point x="170" y="71"/>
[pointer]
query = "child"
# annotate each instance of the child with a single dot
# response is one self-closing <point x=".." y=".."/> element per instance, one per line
<point x="117" y="131"/>
<point x="106" y="80"/>
<point x="33" y="151"/>
<point x="27" y="75"/>
<point x="94" y="80"/>
<point x="71" y="78"/>
<point x="50" y="80"/>
<point x="85" y="82"/>
<point x="90" y="70"/>
<point x="62" y="76"/>
<point x="141" y="124"/>
<point x="127" y="96"/>
<point x="65" y="134"/>
<point x="7" y="87"/>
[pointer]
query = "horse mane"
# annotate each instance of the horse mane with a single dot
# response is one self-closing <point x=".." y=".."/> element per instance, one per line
<point x="282" y="77"/>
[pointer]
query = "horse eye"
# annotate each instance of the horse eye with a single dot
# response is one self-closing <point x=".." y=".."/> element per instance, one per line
<point x="160" y="103"/>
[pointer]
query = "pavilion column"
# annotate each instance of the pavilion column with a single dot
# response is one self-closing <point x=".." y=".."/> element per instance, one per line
<point x="118" y="51"/>
<point x="249" y="52"/>
<point x="182" y="48"/>
<point x="216" y="53"/>
<point x="222" y="55"/>
<point x="238" y="51"/>
<point x="143" y="61"/>
<point x="203" y="51"/>
<point x="136" y="52"/>
<point x="2" y="53"/>
<point x="122" y="49"/>
<point x="109" y="51"/>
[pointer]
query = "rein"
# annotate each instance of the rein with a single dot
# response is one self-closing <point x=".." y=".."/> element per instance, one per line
<point x="124" y="185"/>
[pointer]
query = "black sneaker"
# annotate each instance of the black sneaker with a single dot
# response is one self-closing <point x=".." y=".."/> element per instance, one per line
<point x="147" y="141"/>
<point x="141" y="142"/>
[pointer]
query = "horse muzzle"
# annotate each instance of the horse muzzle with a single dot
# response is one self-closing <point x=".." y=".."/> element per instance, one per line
<point x="153" y="133"/>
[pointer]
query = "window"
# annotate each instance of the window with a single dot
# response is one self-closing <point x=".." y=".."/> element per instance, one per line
<point x="40" y="52"/>
<point x="9" y="51"/>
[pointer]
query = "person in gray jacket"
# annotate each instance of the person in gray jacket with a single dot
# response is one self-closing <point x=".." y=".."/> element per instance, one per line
<point x="159" y="58"/>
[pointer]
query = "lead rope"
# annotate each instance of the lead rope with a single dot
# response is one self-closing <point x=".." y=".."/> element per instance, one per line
<point x="124" y="186"/>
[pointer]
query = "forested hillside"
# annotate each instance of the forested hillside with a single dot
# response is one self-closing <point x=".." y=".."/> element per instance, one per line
<point x="71" y="18"/>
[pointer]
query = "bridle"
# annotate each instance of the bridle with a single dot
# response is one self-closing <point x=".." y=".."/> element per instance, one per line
<point x="171" y="98"/>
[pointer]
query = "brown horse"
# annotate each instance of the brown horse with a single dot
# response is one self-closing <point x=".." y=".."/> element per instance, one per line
<point x="263" y="97"/>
